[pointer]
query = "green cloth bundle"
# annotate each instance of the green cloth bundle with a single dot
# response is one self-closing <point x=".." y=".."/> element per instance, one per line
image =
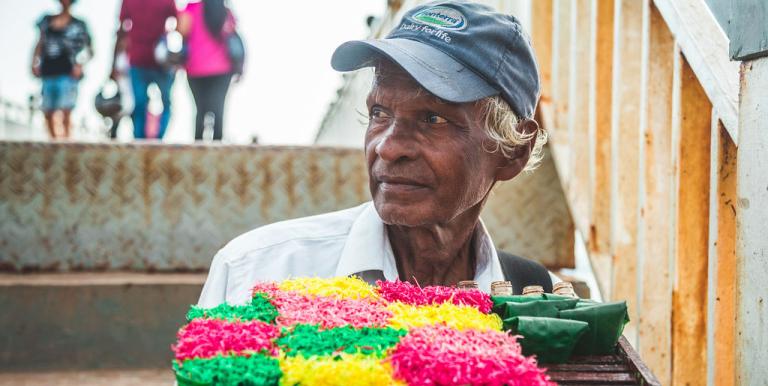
<point x="543" y="308"/>
<point x="552" y="340"/>
<point x="606" y="323"/>
<point x="554" y="327"/>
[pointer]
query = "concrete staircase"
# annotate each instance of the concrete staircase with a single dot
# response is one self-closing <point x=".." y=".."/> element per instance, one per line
<point x="72" y="326"/>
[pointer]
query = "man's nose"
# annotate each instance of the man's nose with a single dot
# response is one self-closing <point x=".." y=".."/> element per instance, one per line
<point x="398" y="141"/>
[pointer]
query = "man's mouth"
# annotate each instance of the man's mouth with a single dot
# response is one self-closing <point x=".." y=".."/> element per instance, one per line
<point x="399" y="184"/>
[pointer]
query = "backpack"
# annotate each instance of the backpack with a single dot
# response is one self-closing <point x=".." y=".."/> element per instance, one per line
<point x="523" y="272"/>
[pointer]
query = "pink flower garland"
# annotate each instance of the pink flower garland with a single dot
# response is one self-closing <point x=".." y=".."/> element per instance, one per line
<point x="439" y="355"/>
<point x="206" y="338"/>
<point x="328" y="312"/>
<point x="399" y="291"/>
<point x="267" y="287"/>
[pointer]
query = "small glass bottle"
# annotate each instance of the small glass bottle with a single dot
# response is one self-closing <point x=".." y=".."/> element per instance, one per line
<point x="501" y="288"/>
<point x="533" y="290"/>
<point x="564" y="288"/>
<point x="468" y="284"/>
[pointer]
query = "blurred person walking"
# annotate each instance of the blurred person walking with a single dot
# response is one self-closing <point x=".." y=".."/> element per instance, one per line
<point x="142" y="25"/>
<point x="63" y="47"/>
<point x="207" y="26"/>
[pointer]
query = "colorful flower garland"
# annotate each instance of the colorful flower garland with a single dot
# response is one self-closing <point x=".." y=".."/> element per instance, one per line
<point x="343" y="331"/>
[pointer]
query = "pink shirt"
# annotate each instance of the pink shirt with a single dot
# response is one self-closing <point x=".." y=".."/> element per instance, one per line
<point x="206" y="55"/>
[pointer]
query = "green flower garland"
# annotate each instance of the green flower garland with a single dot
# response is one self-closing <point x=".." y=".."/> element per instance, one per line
<point x="309" y="340"/>
<point x="254" y="370"/>
<point x="260" y="308"/>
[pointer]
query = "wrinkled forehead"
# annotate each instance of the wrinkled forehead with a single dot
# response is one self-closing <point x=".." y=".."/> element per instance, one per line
<point x="392" y="79"/>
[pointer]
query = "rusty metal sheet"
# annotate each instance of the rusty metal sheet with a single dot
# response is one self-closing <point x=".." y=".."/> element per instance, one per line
<point x="68" y="206"/>
<point x="529" y="216"/>
<point x="157" y="207"/>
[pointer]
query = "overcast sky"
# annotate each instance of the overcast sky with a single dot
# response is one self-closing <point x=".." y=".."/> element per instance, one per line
<point x="288" y="82"/>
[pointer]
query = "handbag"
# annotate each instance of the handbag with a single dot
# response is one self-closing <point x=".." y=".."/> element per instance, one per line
<point x="236" y="51"/>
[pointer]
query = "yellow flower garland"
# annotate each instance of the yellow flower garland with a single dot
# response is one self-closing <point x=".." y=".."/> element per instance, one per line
<point x="345" y="369"/>
<point x="458" y="317"/>
<point x="338" y="287"/>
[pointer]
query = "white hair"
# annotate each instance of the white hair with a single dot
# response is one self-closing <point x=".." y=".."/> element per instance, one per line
<point x="501" y="125"/>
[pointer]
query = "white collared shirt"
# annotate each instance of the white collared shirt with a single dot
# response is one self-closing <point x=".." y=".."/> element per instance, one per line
<point x="348" y="242"/>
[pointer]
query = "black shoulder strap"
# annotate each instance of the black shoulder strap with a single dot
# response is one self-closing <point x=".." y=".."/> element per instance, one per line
<point x="523" y="272"/>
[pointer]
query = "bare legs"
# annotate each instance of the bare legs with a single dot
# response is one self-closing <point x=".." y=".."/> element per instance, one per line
<point x="50" y="124"/>
<point x="66" y="123"/>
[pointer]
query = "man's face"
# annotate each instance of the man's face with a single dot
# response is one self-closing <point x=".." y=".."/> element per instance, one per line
<point x="426" y="157"/>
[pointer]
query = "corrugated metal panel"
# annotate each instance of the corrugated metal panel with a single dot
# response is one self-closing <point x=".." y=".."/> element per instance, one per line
<point x="77" y="206"/>
<point x="165" y="207"/>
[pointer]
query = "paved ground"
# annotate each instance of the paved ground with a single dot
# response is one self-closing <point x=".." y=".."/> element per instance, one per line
<point x="151" y="377"/>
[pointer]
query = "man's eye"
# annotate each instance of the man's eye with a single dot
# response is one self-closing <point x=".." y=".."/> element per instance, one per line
<point x="378" y="113"/>
<point x="434" y="119"/>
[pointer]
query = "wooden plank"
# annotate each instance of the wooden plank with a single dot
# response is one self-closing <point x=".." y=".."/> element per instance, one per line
<point x="600" y="121"/>
<point x="705" y="46"/>
<point x="602" y="378"/>
<point x="600" y="368"/>
<point x="634" y="361"/>
<point x="541" y="38"/>
<point x="721" y="310"/>
<point x="752" y="227"/>
<point x="561" y="48"/>
<point x="595" y="359"/>
<point x="656" y="177"/>
<point x="599" y="237"/>
<point x="625" y="143"/>
<point x="690" y="295"/>
<point x="578" y="114"/>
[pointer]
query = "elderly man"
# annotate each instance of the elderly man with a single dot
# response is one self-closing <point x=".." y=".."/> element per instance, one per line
<point x="456" y="85"/>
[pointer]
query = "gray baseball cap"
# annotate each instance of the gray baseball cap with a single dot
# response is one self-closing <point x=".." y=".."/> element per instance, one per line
<point x="459" y="51"/>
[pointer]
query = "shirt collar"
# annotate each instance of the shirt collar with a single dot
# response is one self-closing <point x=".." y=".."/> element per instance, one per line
<point x="368" y="249"/>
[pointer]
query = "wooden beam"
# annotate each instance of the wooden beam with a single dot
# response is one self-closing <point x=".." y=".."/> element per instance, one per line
<point x="705" y="46"/>
<point x="578" y="114"/>
<point x="625" y="143"/>
<point x="600" y="132"/>
<point x="561" y="48"/>
<point x="689" y="300"/>
<point x="721" y="310"/>
<point x="542" y="39"/>
<point x="654" y="232"/>
<point x="752" y="227"/>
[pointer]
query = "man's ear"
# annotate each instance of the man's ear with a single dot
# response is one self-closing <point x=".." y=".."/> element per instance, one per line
<point x="512" y="166"/>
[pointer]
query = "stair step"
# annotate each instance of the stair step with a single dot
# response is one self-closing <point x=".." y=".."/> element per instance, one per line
<point x="92" y="320"/>
<point x="145" y="377"/>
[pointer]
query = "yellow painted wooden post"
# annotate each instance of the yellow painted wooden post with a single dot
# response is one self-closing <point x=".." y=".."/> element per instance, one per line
<point x="625" y="143"/>
<point x="561" y="48"/>
<point x="721" y="310"/>
<point x="541" y="37"/>
<point x="578" y="114"/>
<point x="690" y="291"/>
<point x="600" y="137"/>
<point x="661" y="58"/>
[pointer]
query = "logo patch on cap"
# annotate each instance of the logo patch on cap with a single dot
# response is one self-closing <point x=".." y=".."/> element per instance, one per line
<point x="441" y="17"/>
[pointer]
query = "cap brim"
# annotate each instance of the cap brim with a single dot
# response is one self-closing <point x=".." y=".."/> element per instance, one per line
<point x="437" y="72"/>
